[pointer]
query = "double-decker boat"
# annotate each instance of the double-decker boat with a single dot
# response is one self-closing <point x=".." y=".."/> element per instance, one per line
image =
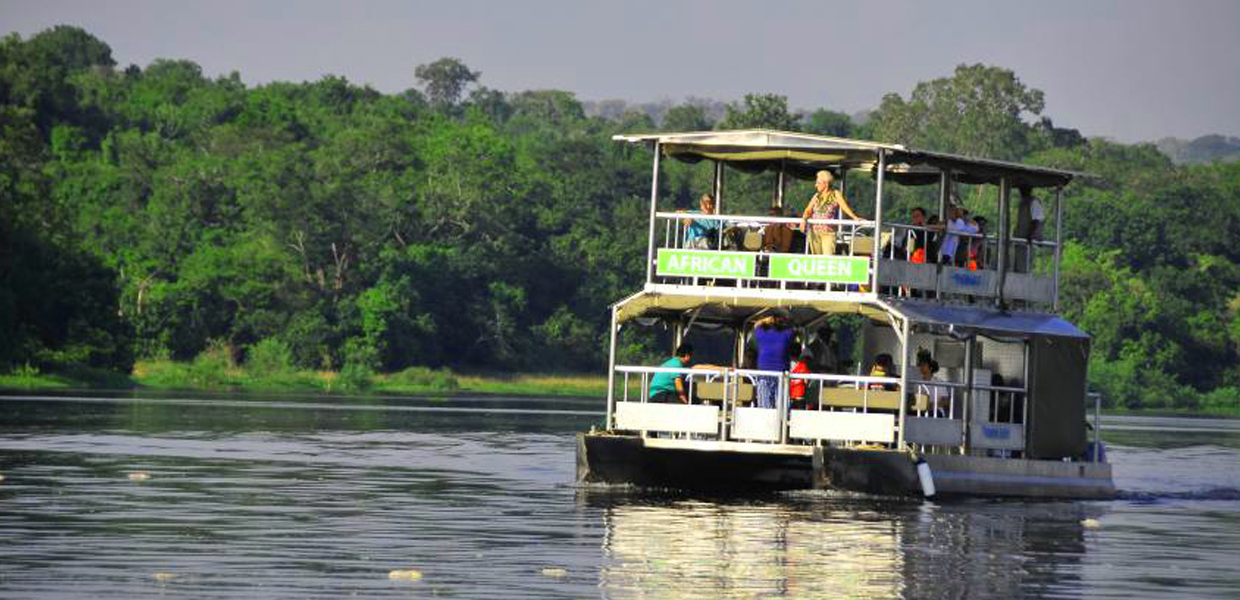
<point x="1005" y="416"/>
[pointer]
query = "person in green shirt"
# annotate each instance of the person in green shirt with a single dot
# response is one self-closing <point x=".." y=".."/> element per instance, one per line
<point x="670" y="387"/>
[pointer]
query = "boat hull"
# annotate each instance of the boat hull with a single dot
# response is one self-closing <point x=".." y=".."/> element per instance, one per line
<point x="604" y="458"/>
<point x="621" y="459"/>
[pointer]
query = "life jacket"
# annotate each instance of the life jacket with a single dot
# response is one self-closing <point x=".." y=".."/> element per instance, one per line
<point x="796" y="387"/>
<point x="877" y="371"/>
<point x="919" y="256"/>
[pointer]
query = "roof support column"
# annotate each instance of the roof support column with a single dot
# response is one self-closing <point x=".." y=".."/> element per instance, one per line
<point x="1058" y="240"/>
<point x="654" y="204"/>
<point x="968" y="391"/>
<point x="878" y="216"/>
<point x="717" y="190"/>
<point x="779" y="186"/>
<point x="945" y="192"/>
<point x="611" y="374"/>
<point x="904" y="391"/>
<point x="1004" y="237"/>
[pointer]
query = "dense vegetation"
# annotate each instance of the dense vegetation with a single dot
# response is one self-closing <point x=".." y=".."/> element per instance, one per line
<point x="157" y="213"/>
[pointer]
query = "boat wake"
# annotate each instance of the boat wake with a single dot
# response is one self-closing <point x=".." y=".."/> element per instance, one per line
<point x="1220" y="493"/>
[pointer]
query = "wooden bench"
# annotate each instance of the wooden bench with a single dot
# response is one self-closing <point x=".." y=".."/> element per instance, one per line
<point x="714" y="390"/>
<point x="863" y="245"/>
<point x="870" y="399"/>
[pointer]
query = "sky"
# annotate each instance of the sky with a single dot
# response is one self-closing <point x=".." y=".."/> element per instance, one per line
<point x="1130" y="70"/>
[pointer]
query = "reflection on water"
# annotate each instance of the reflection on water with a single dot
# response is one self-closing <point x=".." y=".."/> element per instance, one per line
<point x="814" y="545"/>
<point x="710" y="550"/>
<point x="284" y="498"/>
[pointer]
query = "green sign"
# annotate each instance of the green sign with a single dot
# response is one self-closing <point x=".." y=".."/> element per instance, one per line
<point x="818" y="267"/>
<point x="706" y="263"/>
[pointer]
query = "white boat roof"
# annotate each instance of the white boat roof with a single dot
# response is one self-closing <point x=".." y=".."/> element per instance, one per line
<point x="729" y="308"/>
<point x="802" y="154"/>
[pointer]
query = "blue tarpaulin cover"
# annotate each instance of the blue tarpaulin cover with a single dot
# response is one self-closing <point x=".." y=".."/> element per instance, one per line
<point x="973" y="317"/>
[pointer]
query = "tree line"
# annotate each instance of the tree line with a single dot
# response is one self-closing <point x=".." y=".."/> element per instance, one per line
<point x="155" y="213"/>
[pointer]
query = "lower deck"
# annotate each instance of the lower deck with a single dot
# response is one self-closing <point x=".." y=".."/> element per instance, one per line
<point x="715" y="466"/>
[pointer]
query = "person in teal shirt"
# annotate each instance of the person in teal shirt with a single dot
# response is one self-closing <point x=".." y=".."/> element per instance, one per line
<point x="703" y="234"/>
<point x="670" y="387"/>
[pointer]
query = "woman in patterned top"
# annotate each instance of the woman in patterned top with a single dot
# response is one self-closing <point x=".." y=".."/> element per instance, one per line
<point x="826" y="204"/>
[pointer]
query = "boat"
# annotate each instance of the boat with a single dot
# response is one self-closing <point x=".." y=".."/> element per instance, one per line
<point x="1007" y="414"/>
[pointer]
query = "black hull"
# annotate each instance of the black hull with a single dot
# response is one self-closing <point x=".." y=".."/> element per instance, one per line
<point x="626" y="460"/>
<point x="620" y="459"/>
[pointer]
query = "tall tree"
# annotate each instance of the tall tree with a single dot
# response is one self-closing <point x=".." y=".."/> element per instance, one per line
<point x="445" y="80"/>
<point x="765" y="111"/>
<point x="977" y="111"/>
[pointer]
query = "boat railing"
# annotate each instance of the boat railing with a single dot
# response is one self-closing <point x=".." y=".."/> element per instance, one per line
<point x="733" y="254"/>
<point x="972" y="273"/>
<point x="723" y="406"/>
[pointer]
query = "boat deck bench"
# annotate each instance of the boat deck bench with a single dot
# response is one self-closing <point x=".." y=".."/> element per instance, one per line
<point x="714" y="391"/>
<point x="870" y="399"/>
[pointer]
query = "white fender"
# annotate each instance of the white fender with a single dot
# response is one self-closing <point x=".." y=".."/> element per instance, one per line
<point x="925" y="477"/>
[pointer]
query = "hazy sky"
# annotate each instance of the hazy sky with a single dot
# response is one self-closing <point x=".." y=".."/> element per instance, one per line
<point x="1128" y="69"/>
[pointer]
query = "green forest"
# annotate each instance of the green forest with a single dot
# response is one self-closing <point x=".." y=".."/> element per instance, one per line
<point x="155" y="214"/>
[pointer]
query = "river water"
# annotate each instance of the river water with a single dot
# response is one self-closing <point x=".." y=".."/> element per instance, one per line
<point x="270" y="497"/>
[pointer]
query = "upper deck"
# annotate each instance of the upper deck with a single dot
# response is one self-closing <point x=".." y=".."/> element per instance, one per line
<point x="873" y="259"/>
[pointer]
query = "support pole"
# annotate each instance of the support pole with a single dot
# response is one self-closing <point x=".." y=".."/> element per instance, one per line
<point x="1058" y="240"/>
<point x="611" y="374"/>
<point x="968" y="390"/>
<point x="1004" y="237"/>
<point x="654" y="203"/>
<point x="945" y="190"/>
<point x="779" y="186"/>
<point x="905" y="331"/>
<point x="718" y="186"/>
<point x="878" y="217"/>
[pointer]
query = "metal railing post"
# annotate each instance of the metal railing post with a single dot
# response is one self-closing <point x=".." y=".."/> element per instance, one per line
<point x="654" y="201"/>
<point x="876" y="254"/>
<point x="903" y="384"/>
<point x="782" y="407"/>
<point x="1004" y="239"/>
<point x="611" y="375"/>
<point x="1058" y="242"/>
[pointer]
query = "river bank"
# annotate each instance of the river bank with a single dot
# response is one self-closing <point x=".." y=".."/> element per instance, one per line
<point x="180" y="376"/>
<point x="158" y="375"/>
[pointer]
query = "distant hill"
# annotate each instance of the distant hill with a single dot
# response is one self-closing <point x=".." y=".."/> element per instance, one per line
<point x="1205" y="149"/>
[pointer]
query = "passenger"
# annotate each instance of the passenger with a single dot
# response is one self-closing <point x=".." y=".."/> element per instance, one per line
<point x="934" y="239"/>
<point x="912" y="245"/>
<point x="825" y="350"/>
<point x="1029" y="219"/>
<point x="796" y="387"/>
<point x="939" y="396"/>
<point x="670" y="387"/>
<point x="883" y="367"/>
<point x="951" y="241"/>
<point x="977" y="246"/>
<point x="776" y="237"/>
<point x="703" y="234"/>
<point x="826" y="204"/>
<point x="774" y="340"/>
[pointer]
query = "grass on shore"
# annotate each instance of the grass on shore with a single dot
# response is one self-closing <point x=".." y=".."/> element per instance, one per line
<point x="219" y="376"/>
<point x="171" y="375"/>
